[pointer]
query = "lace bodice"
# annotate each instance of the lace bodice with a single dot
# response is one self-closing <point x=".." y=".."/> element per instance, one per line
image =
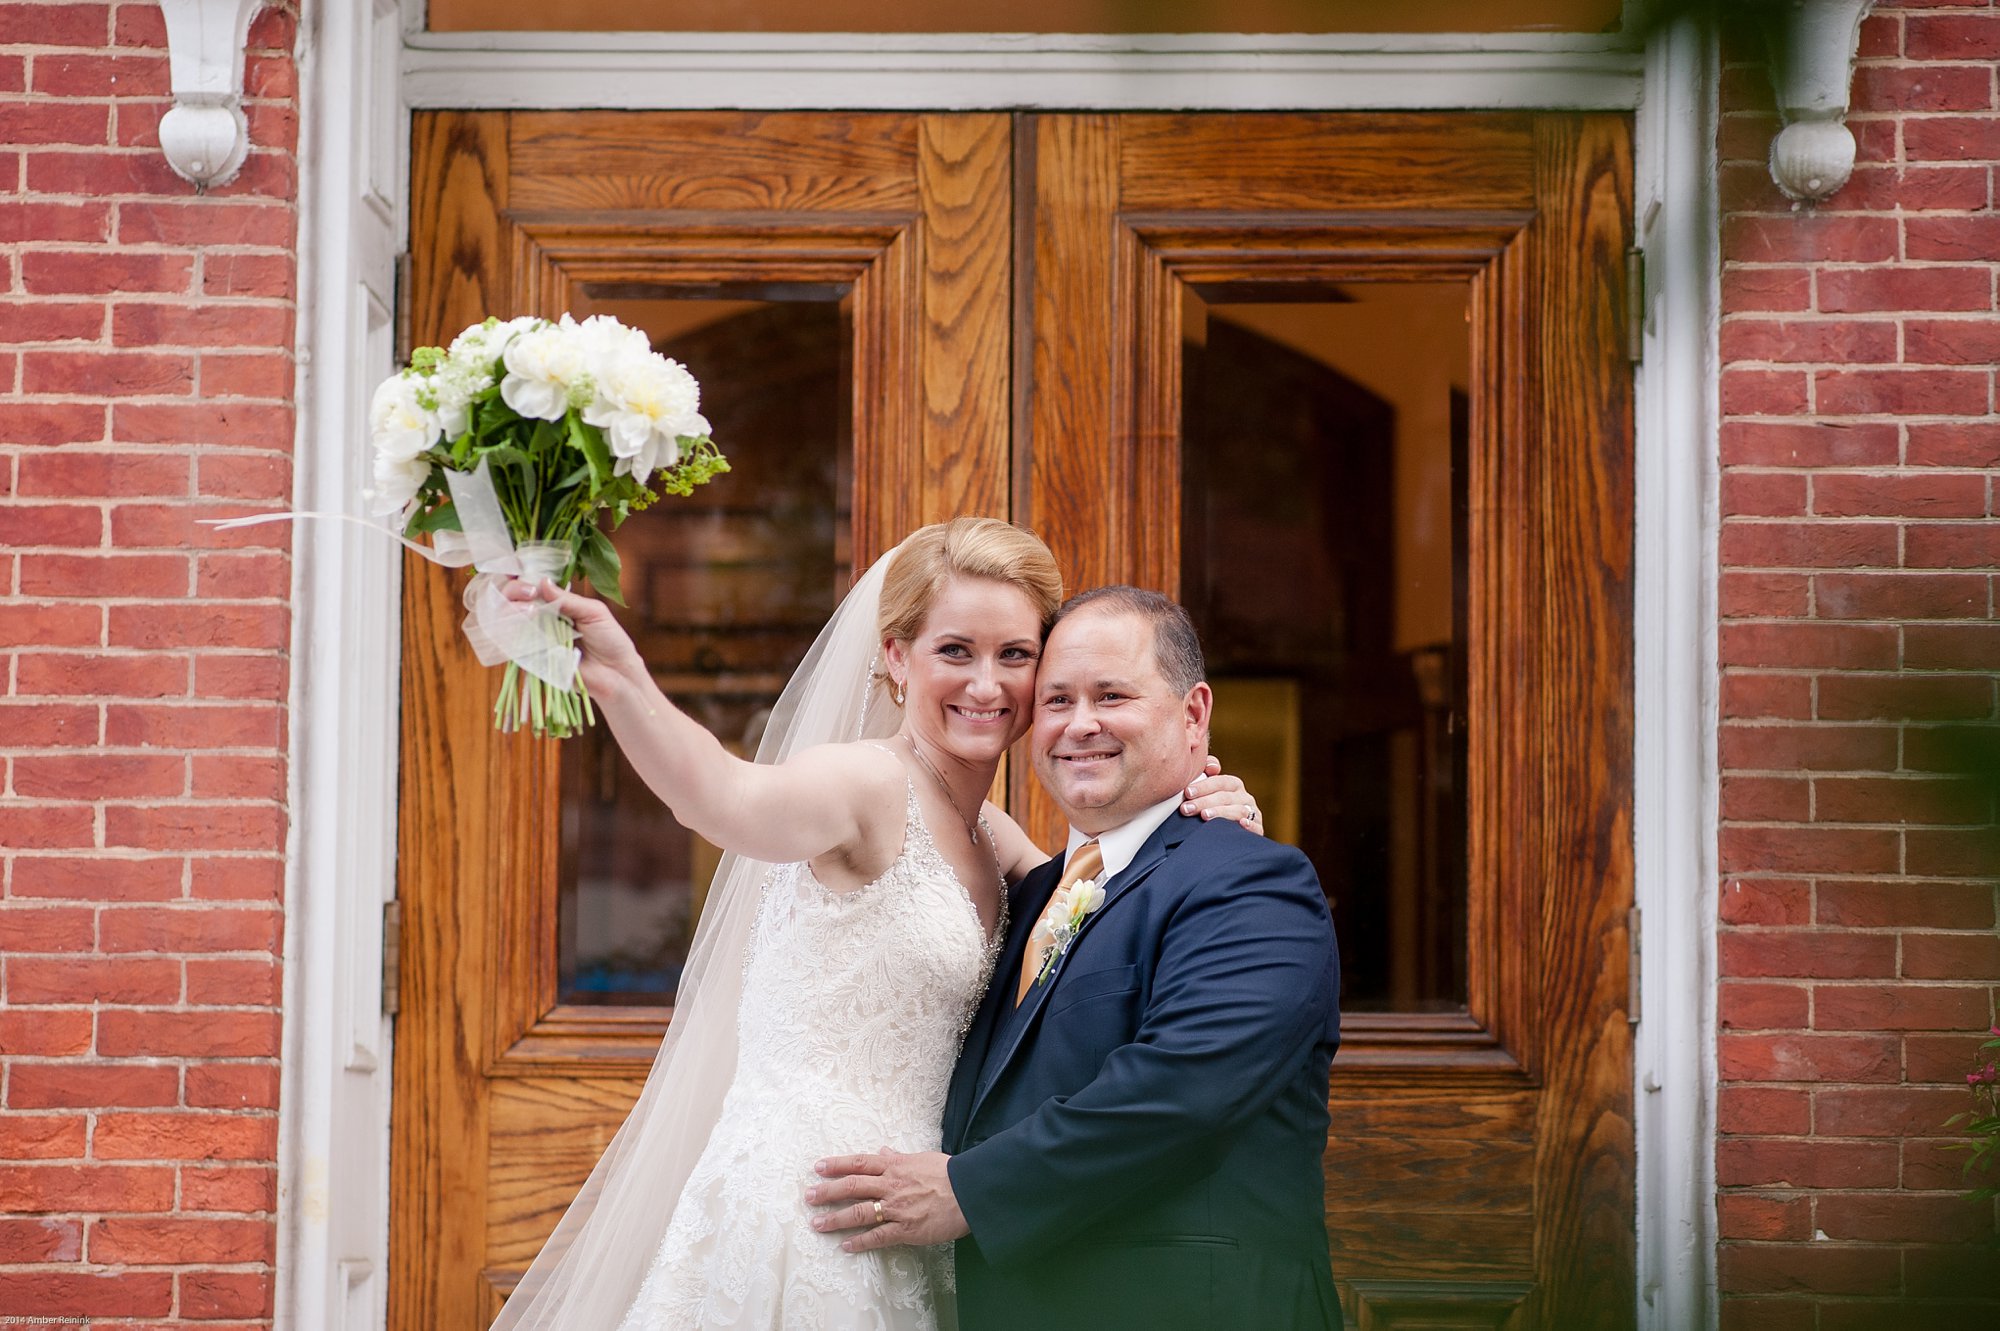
<point x="864" y="993"/>
<point x="854" y="1006"/>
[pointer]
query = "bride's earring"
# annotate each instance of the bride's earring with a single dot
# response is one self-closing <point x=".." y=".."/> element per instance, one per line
<point x="896" y="692"/>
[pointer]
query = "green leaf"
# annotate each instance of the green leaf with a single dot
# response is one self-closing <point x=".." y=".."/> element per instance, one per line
<point x="598" y="561"/>
<point x="442" y="518"/>
<point x="492" y="414"/>
<point x="589" y="441"/>
<point x="506" y="455"/>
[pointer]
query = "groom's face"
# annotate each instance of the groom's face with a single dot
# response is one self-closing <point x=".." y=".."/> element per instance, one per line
<point x="1111" y="736"/>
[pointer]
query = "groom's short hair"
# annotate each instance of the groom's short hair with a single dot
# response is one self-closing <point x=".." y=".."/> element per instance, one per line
<point x="1176" y="646"/>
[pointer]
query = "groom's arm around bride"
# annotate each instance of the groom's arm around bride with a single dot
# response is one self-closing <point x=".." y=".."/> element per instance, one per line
<point x="1137" y="1140"/>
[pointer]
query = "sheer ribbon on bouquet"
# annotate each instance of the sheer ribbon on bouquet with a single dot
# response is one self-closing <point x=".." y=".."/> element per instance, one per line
<point x="592" y="1266"/>
<point x="531" y="634"/>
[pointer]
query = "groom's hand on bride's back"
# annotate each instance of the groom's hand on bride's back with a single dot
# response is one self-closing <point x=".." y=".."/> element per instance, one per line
<point x="887" y="1198"/>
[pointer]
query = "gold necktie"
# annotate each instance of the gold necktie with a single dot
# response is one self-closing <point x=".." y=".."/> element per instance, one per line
<point x="1088" y="862"/>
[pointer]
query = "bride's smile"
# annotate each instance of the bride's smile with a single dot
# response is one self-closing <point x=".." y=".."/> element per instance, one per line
<point x="969" y="671"/>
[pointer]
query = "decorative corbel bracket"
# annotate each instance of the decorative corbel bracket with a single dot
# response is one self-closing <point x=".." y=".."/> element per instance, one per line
<point x="204" y="134"/>
<point x="1812" y="45"/>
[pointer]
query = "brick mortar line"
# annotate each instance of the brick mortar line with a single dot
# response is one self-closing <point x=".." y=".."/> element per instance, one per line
<point x="1826" y="318"/>
<point x="189" y="599"/>
<point x="1863" y="266"/>
<point x="1815" y="366"/>
<point x="1759" y="876"/>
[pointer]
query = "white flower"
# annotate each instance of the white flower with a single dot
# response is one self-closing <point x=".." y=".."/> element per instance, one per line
<point x="1064" y="916"/>
<point x="398" y="422"/>
<point x="645" y="404"/>
<point x="397" y="481"/>
<point x="467" y="371"/>
<point x="454" y="401"/>
<point x="603" y="339"/>
<point x="545" y="365"/>
<point x="1084" y="899"/>
<point x="479" y="346"/>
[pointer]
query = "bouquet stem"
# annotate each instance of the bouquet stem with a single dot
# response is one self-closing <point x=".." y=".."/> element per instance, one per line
<point x="552" y="713"/>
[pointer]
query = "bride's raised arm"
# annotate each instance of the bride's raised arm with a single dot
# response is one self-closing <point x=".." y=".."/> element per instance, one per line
<point x="822" y="799"/>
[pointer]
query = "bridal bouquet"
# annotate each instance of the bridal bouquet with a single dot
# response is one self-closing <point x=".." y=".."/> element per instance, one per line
<point x="511" y="450"/>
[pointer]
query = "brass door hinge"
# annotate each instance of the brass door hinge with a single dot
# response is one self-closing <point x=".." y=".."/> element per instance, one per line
<point x="1632" y="965"/>
<point x="1635" y="305"/>
<point x="392" y="958"/>
<point x="405" y="319"/>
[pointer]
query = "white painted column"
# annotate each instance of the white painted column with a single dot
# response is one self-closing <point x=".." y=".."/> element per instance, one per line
<point x="1675" y="683"/>
<point x="333" y="1140"/>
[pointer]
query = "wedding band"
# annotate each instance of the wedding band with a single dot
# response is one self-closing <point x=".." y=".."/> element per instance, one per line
<point x="879" y="1218"/>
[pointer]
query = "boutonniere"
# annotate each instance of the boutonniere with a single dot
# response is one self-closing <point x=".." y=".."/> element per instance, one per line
<point x="1057" y="928"/>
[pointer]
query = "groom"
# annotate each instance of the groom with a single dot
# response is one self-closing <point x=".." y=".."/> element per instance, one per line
<point x="1134" y="1131"/>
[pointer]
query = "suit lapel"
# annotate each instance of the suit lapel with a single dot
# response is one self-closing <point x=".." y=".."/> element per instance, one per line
<point x="1024" y="906"/>
<point x="1010" y="1031"/>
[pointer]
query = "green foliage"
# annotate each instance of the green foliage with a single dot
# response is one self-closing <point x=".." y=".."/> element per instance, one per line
<point x="701" y="462"/>
<point x="597" y="560"/>
<point x="1982" y="1123"/>
<point x="425" y="520"/>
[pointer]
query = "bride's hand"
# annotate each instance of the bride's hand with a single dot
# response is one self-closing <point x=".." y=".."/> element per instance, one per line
<point x="611" y="663"/>
<point x="1217" y="795"/>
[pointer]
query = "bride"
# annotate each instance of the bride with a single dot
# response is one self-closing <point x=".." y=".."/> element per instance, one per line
<point x="847" y="939"/>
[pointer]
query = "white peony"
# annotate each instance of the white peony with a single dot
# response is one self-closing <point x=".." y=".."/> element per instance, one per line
<point x="603" y="339"/>
<point x="397" y="480"/>
<point x="398" y="422"/>
<point x="645" y="403"/>
<point x="545" y="365"/>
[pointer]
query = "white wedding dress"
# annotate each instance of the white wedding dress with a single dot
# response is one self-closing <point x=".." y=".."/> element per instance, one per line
<point x="853" y="1008"/>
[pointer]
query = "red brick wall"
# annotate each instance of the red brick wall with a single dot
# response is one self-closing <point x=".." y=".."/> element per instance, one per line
<point x="145" y="381"/>
<point x="1860" y="453"/>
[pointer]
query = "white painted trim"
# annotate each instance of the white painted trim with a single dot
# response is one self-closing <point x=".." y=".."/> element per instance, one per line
<point x="1675" y="685"/>
<point x="334" y="1133"/>
<point x="333" y="1136"/>
<point x="984" y="71"/>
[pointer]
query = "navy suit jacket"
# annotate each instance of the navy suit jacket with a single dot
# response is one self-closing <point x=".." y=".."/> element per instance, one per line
<point x="1140" y="1142"/>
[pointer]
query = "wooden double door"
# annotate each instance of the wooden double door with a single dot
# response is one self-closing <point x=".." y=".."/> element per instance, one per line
<point x="1081" y="322"/>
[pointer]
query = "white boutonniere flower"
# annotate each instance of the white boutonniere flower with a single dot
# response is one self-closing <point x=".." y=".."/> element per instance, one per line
<point x="1058" y="927"/>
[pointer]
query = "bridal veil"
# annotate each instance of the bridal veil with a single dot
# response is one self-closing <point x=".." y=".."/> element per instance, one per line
<point x="593" y="1264"/>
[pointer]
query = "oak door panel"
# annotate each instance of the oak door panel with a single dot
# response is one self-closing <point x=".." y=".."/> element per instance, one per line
<point x="1493" y="1144"/>
<point x="505" y="1096"/>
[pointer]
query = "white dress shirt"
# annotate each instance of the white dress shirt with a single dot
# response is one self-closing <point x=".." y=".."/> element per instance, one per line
<point x="1122" y="843"/>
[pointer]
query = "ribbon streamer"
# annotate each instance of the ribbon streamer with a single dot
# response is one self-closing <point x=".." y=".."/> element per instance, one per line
<point x="531" y="634"/>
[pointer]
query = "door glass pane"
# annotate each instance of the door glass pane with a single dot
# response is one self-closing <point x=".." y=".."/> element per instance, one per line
<point x="1323" y="559"/>
<point x="725" y="591"/>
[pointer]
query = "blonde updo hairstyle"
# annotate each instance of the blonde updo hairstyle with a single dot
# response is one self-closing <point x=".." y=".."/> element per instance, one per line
<point x="932" y="556"/>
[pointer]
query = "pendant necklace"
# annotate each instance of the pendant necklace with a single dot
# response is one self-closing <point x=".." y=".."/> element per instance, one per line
<point x="971" y="824"/>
